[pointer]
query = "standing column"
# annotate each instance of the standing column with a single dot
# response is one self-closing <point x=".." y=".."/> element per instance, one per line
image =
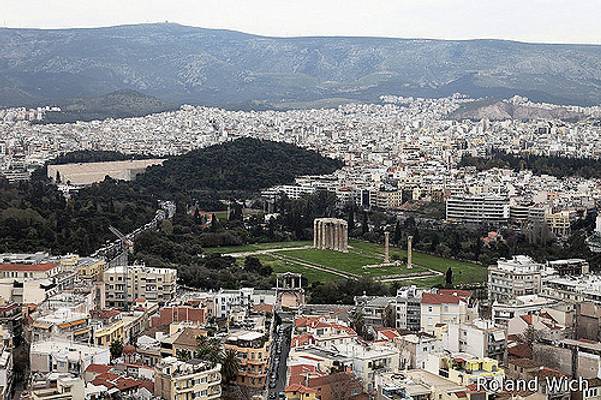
<point x="315" y="234"/>
<point x="409" y="252"/>
<point x="386" y="247"/>
<point x="322" y="234"/>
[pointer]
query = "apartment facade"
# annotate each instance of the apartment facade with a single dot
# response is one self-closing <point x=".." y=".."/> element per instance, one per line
<point x="519" y="276"/>
<point x="252" y="350"/>
<point x="153" y="284"/>
<point x="187" y="380"/>
<point x="478" y="209"/>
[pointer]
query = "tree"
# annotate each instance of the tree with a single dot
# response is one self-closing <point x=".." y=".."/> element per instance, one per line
<point x="351" y="219"/>
<point x="530" y="336"/>
<point x="396" y="236"/>
<point x="230" y="366"/>
<point x="364" y="223"/>
<point x="358" y="322"/>
<point x="448" y="279"/>
<point x="183" y="355"/>
<point x="235" y="212"/>
<point x="208" y="349"/>
<point x="116" y="348"/>
<point x="389" y="316"/>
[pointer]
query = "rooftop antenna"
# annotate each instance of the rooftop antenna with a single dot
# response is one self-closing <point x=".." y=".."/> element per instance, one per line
<point x="126" y="247"/>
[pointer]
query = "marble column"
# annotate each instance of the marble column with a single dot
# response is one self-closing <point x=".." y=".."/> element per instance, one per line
<point x="386" y="247"/>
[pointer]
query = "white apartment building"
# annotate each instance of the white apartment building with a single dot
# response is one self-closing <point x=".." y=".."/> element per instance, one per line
<point x="156" y="285"/>
<point x="574" y="289"/>
<point x="245" y="297"/>
<point x="503" y="312"/>
<point x="414" y="349"/>
<point x="509" y="279"/>
<point x="446" y="307"/>
<point x="65" y="357"/>
<point x="478" y="209"/>
<point x="480" y="338"/>
<point x="193" y="379"/>
<point x="368" y="360"/>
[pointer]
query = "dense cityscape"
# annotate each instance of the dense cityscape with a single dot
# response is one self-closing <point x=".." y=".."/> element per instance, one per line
<point x="202" y="214"/>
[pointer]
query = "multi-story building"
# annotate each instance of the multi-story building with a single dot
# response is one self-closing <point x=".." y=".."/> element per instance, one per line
<point x="193" y="379"/>
<point x="503" y="312"/>
<point x="226" y="299"/>
<point x="386" y="199"/>
<point x="374" y="308"/>
<point x="66" y="387"/>
<point x="465" y="369"/>
<point x="574" y="289"/>
<point x="414" y="349"/>
<point x="90" y="268"/>
<point x="509" y="279"/>
<point x="407" y="308"/>
<point x="478" y="209"/>
<point x="445" y="307"/>
<point x="252" y="350"/>
<point x="559" y="223"/>
<point x="153" y="284"/>
<point x="65" y="357"/>
<point x="480" y="338"/>
<point x="62" y="324"/>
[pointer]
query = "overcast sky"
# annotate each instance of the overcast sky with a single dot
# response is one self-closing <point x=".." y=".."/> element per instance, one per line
<point x="554" y="21"/>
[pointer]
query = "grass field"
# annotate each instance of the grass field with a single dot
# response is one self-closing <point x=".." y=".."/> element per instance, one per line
<point x="281" y="266"/>
<point x="350" y="262"/>
<point x="463" y="271"/>
<point x="360" y="254"/>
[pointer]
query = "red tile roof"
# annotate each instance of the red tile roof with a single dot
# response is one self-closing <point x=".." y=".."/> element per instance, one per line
<point x="456" y="292"/>
<point x="433" y="298"/>
<point x="297" y="388"/>
<point x="43" y="267"/>
<point x="98" y="368"/>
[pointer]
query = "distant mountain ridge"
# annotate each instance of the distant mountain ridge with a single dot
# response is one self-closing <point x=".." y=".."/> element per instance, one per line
<point x="180" y="64"/>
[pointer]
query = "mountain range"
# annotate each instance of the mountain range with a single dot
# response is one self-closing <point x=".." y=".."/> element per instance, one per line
<point x="180" y="64"/>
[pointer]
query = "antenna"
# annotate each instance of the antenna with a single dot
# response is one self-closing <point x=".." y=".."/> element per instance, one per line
<point x="126" y="247"/>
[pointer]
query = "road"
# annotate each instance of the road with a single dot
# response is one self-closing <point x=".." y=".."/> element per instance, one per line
<point x="281" y="342"/>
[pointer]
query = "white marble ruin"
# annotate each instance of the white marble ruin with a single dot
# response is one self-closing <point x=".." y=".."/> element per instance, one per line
<point x="330" y="234"/>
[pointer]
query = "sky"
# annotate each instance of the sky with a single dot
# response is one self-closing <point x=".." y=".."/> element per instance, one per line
<point x="547" y="21"/>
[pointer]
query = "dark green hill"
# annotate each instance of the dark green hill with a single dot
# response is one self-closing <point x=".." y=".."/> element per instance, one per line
<point x="119" y="104"/>
<point x="240" y="165"/>
<point x="34" y="215"/>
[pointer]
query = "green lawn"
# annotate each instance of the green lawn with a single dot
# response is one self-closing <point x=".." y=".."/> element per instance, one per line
<point x="463" y="271"/>
<point x="360" y="254"/>
<point x="347" y="262"/>
<point x="280" y="266"/>
<point x="351" y="262"/>
<point x="256" y="247"/>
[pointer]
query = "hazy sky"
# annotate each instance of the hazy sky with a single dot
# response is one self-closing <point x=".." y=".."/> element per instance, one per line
<point x="559" y="21"/>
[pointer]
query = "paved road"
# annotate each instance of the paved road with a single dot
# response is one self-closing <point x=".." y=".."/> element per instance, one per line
<point x="280" y="379"/>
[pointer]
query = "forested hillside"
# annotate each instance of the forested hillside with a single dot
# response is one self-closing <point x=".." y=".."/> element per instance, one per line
<point x="34" y="215"/>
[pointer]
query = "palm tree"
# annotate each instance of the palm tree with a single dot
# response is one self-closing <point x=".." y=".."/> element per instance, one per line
<point x="230" y="366"/>
<point x="208" y="349"/>
<point x="183" y="355"/>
